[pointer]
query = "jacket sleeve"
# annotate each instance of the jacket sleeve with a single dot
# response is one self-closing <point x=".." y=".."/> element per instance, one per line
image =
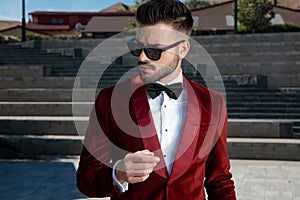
<point x="218" y="181"/>
<point x="94" y="174"/>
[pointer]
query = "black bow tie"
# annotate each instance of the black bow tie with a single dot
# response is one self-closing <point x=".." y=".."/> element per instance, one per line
<point x="155" y="89"/>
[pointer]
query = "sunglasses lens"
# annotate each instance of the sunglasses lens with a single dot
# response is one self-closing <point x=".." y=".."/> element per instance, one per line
<point x="136" y="52"/>
<point x="152" y="53"/>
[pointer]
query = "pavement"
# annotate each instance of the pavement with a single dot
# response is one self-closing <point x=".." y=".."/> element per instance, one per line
<point x="54" y="178"/>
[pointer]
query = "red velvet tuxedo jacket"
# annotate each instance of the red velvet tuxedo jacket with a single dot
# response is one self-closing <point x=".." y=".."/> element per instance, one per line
<point x="121" y="122"/>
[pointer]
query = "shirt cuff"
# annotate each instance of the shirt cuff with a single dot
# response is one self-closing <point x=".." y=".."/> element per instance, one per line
<point x="122" y="187"/>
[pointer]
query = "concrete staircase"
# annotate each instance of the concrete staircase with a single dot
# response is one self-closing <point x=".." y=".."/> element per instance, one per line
<point x="264" y="123"/>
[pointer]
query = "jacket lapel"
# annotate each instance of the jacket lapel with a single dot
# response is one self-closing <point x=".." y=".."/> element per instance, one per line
<point x="198" y="125"/>
<point x="145" y="123"/>
<point x="190" y="135"/>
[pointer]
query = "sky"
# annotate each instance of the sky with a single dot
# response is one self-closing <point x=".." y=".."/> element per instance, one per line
<point x="12" y="9"/>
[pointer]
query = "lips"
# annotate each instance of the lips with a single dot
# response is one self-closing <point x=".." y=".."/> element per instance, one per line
<point x="145" y="67"/>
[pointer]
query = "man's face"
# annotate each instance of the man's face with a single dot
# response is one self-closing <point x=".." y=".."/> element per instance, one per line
<point x="168" y="66"/>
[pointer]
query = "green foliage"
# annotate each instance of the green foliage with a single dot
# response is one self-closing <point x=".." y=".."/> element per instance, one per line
<point x="193" y="4"/>
<point x="197" y="32"/>
<point x="2" y="39"/>
<point x="255" y="15"/>
<point x="36" y="37"/>
<point x="6" y="39"/>
<point x="138" y="3"/>
<point x="288" y="27"/>
<point x="133" y="22"/>
<point x="278" y="28"/>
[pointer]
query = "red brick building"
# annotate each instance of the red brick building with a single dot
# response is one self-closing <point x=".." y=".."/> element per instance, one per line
<point x="114" y="19"/>
<point x="64" y="23"/>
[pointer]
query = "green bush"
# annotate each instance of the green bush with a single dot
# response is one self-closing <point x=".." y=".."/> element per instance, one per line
<point x="35" y="37"/>
<point x="288" y="27"/>
<point x="2" y="39"/>
<point x="278" y="28"/>
<point x="62" y="37"/>
<point x="196" y="32"/>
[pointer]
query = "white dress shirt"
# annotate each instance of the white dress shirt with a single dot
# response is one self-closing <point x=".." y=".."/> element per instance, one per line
<point x="169" y="118"/>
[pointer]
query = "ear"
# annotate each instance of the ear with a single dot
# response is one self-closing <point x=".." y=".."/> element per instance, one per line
<point x="184" y="48"/>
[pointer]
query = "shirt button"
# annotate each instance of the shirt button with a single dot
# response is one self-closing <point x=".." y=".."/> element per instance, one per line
<point x="165" y="155"/>
<point x="166" y="130"/>
<point x="165" y="106"/>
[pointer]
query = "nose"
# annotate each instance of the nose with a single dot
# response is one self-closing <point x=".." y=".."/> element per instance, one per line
<point x="143" y="58"/>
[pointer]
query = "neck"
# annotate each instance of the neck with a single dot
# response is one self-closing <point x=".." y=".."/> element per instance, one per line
<point x="172" y="76"/>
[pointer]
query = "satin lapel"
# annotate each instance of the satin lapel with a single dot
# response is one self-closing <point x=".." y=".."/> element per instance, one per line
<point x="145" y="123"/>
<point x="190" y="134"/>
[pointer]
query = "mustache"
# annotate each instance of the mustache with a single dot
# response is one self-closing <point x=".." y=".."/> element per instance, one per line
<point x="146" y="65"/>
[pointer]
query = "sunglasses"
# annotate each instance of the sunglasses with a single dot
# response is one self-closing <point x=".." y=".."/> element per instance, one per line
<point x="152" y="52"/>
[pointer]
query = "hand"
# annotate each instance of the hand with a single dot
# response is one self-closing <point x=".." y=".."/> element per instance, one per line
<point x="136" y="167"/>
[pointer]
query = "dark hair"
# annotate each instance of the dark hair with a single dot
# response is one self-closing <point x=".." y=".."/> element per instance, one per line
<point x="171" y="12"/>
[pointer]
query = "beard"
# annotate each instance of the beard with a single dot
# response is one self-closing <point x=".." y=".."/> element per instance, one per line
<point x="156" y="72"/>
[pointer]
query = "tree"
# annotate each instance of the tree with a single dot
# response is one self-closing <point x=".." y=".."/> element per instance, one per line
<point x="255" y="15"/>
<point x="133" y="22"/>
<point x="193" y="4"/>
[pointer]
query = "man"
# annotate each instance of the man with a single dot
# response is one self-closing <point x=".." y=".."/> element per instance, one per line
<point x="158" y="135"/>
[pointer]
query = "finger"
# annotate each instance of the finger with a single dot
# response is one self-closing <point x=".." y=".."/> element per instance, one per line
<point x="141" y="166"/>
<point x="142" y="158"/>
<point x="146" y="151"/>
<point x="139" y="173"/>
<point x="134" y="179"/>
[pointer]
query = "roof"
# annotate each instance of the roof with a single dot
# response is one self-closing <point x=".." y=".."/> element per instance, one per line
<point x="288" y="15"/>
<point x="61" y="13"/>
<point x="220" y="16"/>
<point x="118" y="7"/>
<point x="293" y="4"/>
<point x="213" y="5"/>
<point x="4" y="25"/>
<point x="108" y="24"/>
<point x="125" y="13"/>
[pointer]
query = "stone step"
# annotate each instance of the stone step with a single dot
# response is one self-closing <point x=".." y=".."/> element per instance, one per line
<point x="260" y="115"/>
<point x="42" y="125"/>
<point x="62" y="125"/>
<point x="263" y="99"/>
<point x="65" y="94"/>
<point x="258" y="68"/>
<point x="260" y="128"/>
<point x="238" y="148"/>
<point x="211" y="39"/>
<point x="21" y="71"/>
<point x="65" y="109"/>
<point x="273" y="110"/>
<point x="264" y="149"/>
<point x="255" y="57"/>
<point x="296" y="130"/>
<point x="256" y="95"/>
<point x="32" y="56"/>
<point x="46" y="95"/>
<point x="44" y="108"/>
<point x="283" y="80"/>
<point x="38" y="145"/>
<point x="248" y="38"/>
<point x="252" y="47"/>
<point x="44" y="82"/>
<point x="266" y="105"/>
<point x="39" y="61"/>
